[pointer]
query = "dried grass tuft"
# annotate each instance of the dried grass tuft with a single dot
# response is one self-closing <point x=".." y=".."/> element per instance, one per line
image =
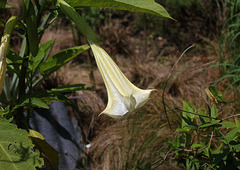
<point x="135" y="140"/>
<point x="141" y="137"/>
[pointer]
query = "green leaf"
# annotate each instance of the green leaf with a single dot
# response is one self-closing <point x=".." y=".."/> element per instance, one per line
<point x="212" y="123"/>
<point x="3" y="4"/>
<point x="32" y="32"/>
<point x="196" y="145"/>
<point x="59" y="59"/>
<point x="32" y="102"/>
<point x="237" y="122"/>
<point x="16" y="150"/>
<point x="232" y="134"/>
<point x="10" y="25"/>
<point x="211" y="96"/>
<point x="13" y="57"/>
<point x="50" y="154"/>
<point x="227" y="125"/>
<point x="70" y="88"/>
<point x="47" y="96"/>
<point x="189" y="108"/>
<point x="25" y="8"/>
<point x="44" y="50"/>
<point x="202" y="115"/>
<point x="189" y="123"/>
<point x="147" y="6"/>
<point x="214" y="111"/>
<point x="188" y="116"/>
<point x="81" y="24"/>
<point x="2" y="22"/>
<point x="218" y="96"/>
<point x="14" y="62"/>
<point x="4" y="111"/>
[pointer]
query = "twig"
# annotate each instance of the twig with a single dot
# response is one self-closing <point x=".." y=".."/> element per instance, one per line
<point x="165" y="157"/>
<point x="197" y="67"/>
<point x="207" y="144"/>
<point x="195" y="113"/>
<point x="165" y="85"/>
<point x="157" y="164"/>
<point x="145" y="35"/>
<point x="91" y="74"/>
<point x="230" y="117"/>
<point x="207" y="165"/>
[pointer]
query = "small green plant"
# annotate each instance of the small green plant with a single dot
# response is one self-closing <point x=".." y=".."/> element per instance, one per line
<point x="204" y="139"/>
<point x="229" y="61"/>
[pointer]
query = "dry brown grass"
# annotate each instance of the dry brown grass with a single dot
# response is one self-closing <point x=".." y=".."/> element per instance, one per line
<point x="188" y="83"/>
<point x="141" y="136"/>
<point x="63" y="35"/>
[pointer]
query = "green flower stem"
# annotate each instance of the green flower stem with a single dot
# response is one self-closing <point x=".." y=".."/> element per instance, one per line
<point x="91" y="75"/>
<point x="81" y="24"/>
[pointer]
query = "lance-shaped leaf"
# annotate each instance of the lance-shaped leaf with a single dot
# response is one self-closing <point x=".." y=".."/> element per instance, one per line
<point x="57" y="60"/>
<point x="32" y="29"/>
<point x="4" y="48"/>
<point x="147" y="6"/>
<point x="81" y="24"/>
<point x="123" y="96"/>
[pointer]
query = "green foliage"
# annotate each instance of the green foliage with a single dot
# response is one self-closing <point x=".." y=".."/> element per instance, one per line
<point x="184" y="3"/>
<point x="31" y="26"/>
<point x="81" y="24"/>
<point x="184" y="11"/>
<point x="16" y="150"/>
<point x="32" y="102"/>
<point x="59" y="59"/>
<point x="27" y="69"/>
<point x="205" y="141"/>
<point x="51" y="155"/>
<point x="147" y="6"/>
<point x="217" y="95"/>
<point x="230" y="41"/>
<point x="93" y="16"/>
<point x="35" y="61"/>
<point x="70" y="88"/>
<point x="3" y="4"/>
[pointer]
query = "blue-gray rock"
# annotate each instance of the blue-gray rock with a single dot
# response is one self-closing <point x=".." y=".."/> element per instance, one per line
<point x="61" y="132"/>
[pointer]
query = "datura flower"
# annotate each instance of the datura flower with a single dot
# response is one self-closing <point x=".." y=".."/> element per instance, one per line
<point x="4" y="47"/>
<point x="3" y="52"/>
<point x="123" y="96"/>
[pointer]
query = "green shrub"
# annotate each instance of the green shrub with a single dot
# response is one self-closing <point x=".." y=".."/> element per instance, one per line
<point x="204" y="139"/>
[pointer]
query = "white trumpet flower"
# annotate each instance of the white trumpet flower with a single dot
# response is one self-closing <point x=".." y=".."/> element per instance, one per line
<point x="123" y="96"/>
<point x="3" y="52"/>
<point x="4" y="48"/>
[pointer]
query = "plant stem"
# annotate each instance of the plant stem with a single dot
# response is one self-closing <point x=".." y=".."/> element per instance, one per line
<point x="19" y="116"/>
<point x="91" y="75"/>
<point x="165" y="85"/>
<point x="145" y="35"/>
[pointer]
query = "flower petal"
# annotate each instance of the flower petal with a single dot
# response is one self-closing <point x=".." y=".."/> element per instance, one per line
<point x="123" y="96"/>
<point x="2" y="62"/>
